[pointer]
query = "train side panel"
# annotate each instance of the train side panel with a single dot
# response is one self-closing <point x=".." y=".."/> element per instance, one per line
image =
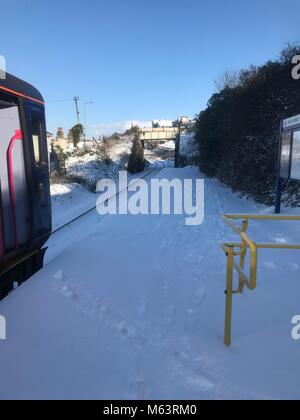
<point x="14" y="191"/>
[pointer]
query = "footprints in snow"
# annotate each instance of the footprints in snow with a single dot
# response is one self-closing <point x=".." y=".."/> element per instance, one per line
<point x="94" y="307"/>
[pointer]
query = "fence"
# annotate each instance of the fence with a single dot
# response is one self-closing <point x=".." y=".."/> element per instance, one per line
<point x="233" y="250"/>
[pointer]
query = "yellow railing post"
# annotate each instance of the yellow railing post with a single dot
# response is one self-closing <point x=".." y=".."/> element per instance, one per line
<point x="229" y="291"/>
<point x="243" y="257"/>
<point x="233" y="250"/>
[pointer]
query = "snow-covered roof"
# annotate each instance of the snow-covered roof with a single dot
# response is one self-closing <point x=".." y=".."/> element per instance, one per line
<point x="162" y="123"/>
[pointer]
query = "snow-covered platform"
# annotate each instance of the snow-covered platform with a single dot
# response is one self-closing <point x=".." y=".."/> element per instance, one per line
<point x="133" y="308"/>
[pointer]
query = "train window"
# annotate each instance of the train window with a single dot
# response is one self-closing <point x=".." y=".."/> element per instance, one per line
<point x="36" y="140"/>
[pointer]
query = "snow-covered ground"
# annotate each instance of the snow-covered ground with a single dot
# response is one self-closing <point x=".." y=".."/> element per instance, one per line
<point x="133" y="308"/>
<point x="88" y="168"/>
<point x="69" y="201"/>
<point x="170" y="145"/>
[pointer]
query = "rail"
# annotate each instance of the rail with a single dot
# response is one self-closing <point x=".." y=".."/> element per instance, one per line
<point x="74" y="219"/>
<point x="233" y="250"/>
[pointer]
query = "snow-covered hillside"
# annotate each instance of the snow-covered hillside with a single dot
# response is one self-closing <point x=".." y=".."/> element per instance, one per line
<point x="89" y="168"/>
<point x="134" y="308"/>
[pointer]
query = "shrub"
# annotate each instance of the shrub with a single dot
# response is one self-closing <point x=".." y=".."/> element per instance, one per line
<point x="136" y="161"/>
<point x="103" y="151"/>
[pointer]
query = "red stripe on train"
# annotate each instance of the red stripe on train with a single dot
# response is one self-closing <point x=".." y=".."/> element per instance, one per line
<point x="14" y="92"/>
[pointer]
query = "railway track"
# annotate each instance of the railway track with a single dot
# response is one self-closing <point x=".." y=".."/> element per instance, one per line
<point x="156" y="165"/>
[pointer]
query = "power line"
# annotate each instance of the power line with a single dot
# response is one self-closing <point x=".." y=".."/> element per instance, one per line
<point x="59" y="100"/>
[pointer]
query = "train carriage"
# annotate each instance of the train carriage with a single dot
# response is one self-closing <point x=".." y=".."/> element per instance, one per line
<point x="25" y="206"/>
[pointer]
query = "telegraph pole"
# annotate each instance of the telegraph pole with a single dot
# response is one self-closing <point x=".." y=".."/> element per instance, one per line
<point x="76" y="99"/>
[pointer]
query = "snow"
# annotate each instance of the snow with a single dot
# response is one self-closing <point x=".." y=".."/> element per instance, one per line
<point x="132" y="307"/>
<point x="188" y="147"/>
<point x="163" y="123"/>
<point x="170" y="145"/>
<point x="88" y="168"/>
<point x="69" y="201"/>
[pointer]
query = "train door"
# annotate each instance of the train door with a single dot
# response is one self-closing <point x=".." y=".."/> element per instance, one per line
<point x="14" y="205"/>
<point x="36" y="126"/>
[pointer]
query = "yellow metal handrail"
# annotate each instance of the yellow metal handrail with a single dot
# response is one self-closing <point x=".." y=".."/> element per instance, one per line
<point x="233" y="250"/>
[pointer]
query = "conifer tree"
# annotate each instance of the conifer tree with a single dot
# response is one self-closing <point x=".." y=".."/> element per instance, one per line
<point x="137" y="161"/>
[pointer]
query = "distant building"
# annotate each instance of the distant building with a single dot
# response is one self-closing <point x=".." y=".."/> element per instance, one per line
<point x="60" y="133"/>
<point x="181" y="121"/>
<point x="184" y="120"/>
<point x="162" y="123"/>
<point x="60" y="140"/>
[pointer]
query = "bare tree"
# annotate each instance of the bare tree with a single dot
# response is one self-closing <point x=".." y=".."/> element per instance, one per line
<point x="228" y="80"/>
<point x="103" y="147"/>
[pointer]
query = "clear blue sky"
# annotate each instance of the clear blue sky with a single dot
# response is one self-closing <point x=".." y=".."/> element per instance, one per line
<point x="138" y="59"/>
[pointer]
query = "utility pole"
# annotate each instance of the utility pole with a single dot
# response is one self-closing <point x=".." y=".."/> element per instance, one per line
<point x="177" y="145"/>
<point x="76" y="99"/>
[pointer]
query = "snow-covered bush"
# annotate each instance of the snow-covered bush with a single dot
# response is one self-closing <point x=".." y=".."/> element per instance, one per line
<point x="104" y="160"/>
<point x="103" y="151"/>
<point x="188" y="151"/>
